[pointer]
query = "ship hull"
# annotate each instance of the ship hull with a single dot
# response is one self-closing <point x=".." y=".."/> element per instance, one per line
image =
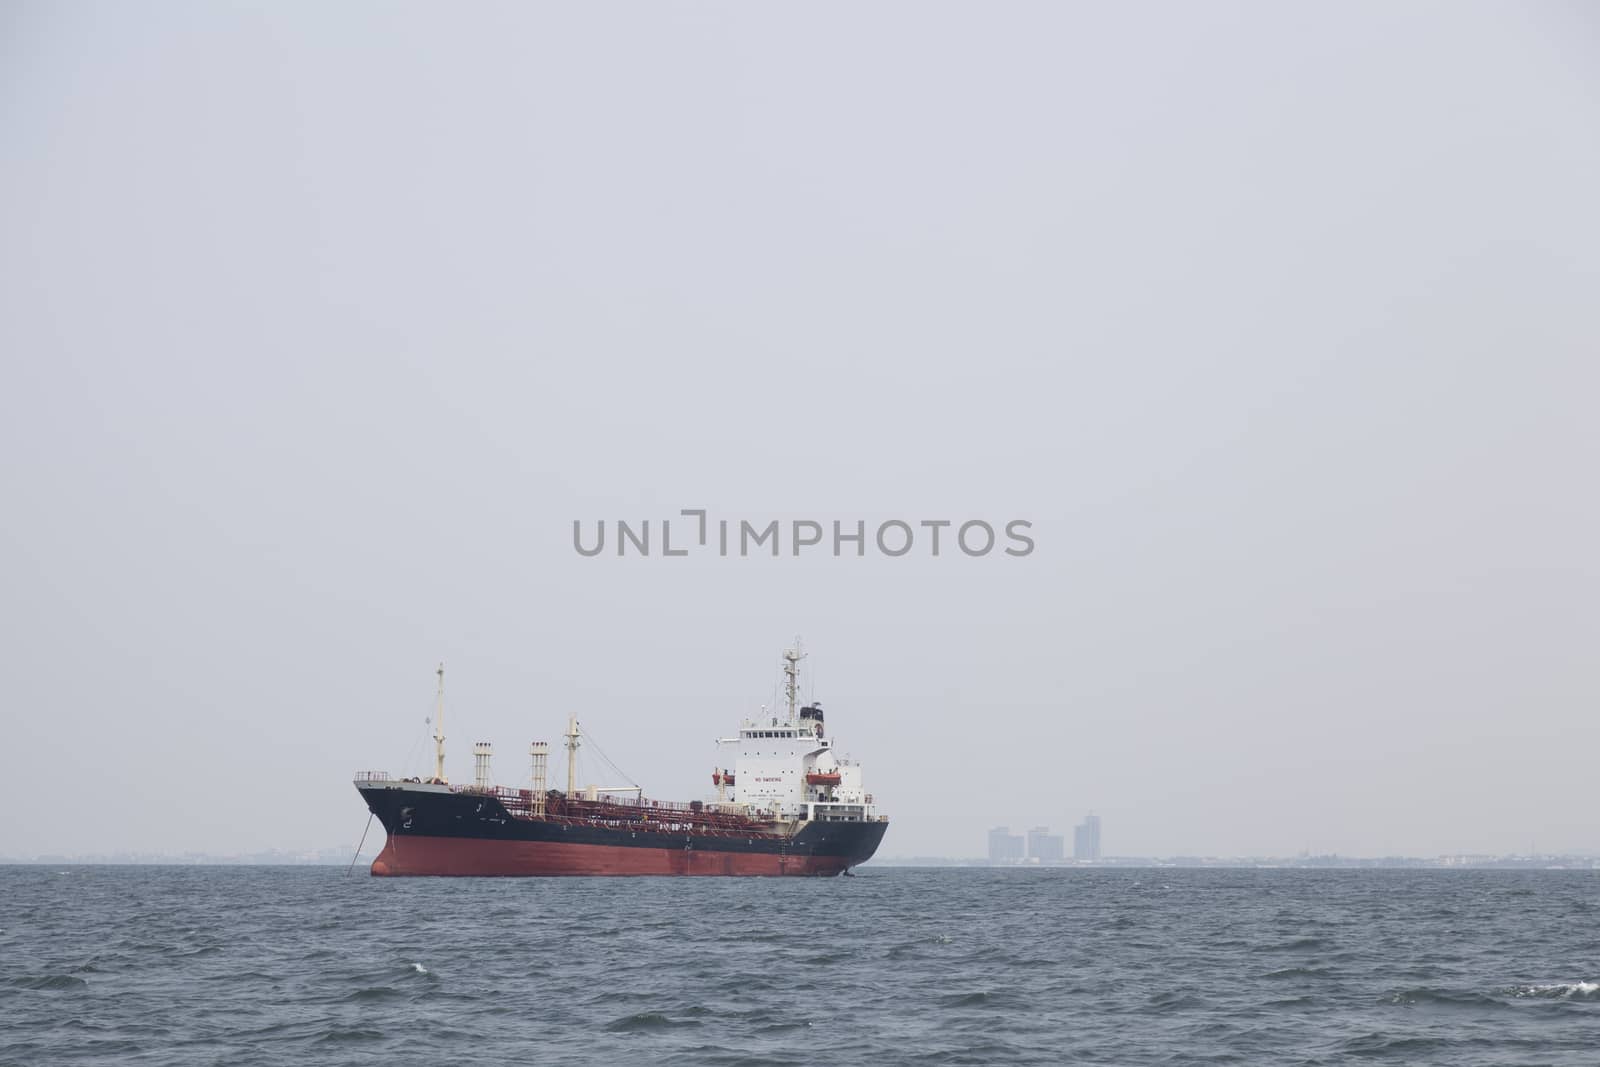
<point x="468" y="857"/>
<point x="441" y="833"/>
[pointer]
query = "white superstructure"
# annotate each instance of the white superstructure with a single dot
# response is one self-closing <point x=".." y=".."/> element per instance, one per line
<point x="785" y="764"/>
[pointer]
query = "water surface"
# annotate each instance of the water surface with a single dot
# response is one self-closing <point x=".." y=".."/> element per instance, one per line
<point x="281" y="966"/>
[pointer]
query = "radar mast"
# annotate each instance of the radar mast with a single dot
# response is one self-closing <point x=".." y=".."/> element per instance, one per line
<point x="791" y="678"/>
<point x="438" y="732"/>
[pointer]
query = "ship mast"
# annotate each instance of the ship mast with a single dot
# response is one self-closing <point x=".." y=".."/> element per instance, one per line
<point x="791" y="672"/>
<point x="438" y="732"/>
<point x="572" y="753"/>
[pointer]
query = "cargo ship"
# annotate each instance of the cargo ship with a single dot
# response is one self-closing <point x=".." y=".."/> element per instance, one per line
<point x="786" y="804"/>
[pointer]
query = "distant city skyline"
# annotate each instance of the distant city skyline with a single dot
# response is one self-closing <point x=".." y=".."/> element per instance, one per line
<point x="1045" y="847"/>
<point x="1086" y="839"/>
<point x="1005" y="846"/>
<point x="1039" y="845"/>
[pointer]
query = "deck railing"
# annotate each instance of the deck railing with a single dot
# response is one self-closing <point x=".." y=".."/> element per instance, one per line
<point x="628" y="812"/>
<point x="620" y="811"/>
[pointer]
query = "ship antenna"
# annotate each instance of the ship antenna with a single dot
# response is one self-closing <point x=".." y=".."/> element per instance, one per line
<point x="438" y="732"/>
<point x="791" y="671"/>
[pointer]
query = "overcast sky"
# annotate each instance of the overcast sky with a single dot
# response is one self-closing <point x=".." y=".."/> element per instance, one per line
<point x="322" y="323"/>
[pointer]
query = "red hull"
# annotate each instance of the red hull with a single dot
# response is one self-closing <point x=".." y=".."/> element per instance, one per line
<point x="458" y="856"/>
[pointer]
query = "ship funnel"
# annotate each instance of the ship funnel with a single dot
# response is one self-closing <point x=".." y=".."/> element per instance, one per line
<point x="480" y="759"/>
<point x="812" y="713"/>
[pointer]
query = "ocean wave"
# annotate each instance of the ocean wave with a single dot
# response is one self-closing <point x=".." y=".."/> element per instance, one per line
<point x="984" y="1054"/>
<point x="1299" y="944"/>
<point x="203" y="950"/>
<point x="56" y="982"/>
<point x="372" y="993"/>
<point x="1299" y="972"/>
<point x="980" y="999"/>
<point x="646" y="1021"/>
<point x="1292" y="1002"/>
<point x="782" y="1028"/>
<point x="341" y="1035"/>
<point x="1390" y="1044"/>
<point x="1177" y="1000"/>
<point x="1444" y="998"/>
<point x="1558" y="991"/>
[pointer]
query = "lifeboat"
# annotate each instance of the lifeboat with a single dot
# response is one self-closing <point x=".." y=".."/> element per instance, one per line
<point x="721" y="777"/>
<point x="823" y="778"/>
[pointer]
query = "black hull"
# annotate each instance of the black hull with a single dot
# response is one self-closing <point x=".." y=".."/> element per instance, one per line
<point x="432" y="831"/>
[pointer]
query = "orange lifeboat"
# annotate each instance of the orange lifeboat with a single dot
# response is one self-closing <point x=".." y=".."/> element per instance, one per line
<point x="721" y="777"/>
<point x="823" y="778"/>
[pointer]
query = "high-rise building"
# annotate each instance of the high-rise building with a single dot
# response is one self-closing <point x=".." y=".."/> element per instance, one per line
<point x="1086" y="839"/>
<point x="1045" y="846"/>
<point x="1004" y="846"/>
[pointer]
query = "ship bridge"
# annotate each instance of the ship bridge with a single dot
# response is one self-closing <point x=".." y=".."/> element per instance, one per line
<point x="786" y="764"/>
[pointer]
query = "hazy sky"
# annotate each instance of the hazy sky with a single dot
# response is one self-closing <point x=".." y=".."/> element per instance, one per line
<point x="321" y="323"/>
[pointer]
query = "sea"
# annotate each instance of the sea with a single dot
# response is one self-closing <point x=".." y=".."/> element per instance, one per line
<point x="309" y="965"/>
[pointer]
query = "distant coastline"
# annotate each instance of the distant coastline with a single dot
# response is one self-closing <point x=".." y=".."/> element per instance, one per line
<point x="327" y="857"/>
<point x="270" y="858"/>
<point x="1467" y="861"/>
